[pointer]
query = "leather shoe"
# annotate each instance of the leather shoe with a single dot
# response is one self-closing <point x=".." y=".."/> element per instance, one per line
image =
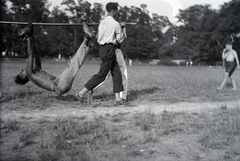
<point x="24" y="33"/>
<point x="90" y="97"/>
<point x="79" y="98"/>
<point x="118" y="103"/>
<point x="27" y="31"/>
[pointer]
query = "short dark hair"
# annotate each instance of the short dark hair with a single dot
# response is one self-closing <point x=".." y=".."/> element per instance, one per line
<point x="20" y="80"/>
<point x="112" y="6"/>
<point x="228" y="43"/>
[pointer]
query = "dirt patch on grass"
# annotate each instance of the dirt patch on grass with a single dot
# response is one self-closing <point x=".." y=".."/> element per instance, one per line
<point x="54" y="109"/>
<point x="139" y="131"/>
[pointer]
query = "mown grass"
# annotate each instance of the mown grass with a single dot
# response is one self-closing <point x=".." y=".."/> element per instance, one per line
<point x="221" y="129"/>
<point x="147" y="135"/>
<point x="146" y="83"/>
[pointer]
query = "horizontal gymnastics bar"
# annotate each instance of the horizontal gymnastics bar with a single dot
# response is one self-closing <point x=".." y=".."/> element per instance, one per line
<point x="55" y="24"/>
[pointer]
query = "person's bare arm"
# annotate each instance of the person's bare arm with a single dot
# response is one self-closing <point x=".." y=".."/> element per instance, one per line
<point x="97" y="36"/>
<point x="236" y="57"/>
<point x="39" y="81"/>
<point x="123" y="25"/>
<point x="224" y="56"/>
<point x="37" y="66"/>
<point x="119" y="33"/>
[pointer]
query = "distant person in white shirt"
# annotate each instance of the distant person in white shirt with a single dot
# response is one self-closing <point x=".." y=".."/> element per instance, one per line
<point x="130" y="62"/>
<point x="4" y="53"/>
<point x="109" y="34"/>
<point x="230" y="59"/>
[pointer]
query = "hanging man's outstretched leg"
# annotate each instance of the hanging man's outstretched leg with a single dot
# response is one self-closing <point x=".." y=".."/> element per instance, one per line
<point x="65" y="80"/>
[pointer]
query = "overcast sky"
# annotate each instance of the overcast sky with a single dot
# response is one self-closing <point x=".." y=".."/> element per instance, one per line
<point x="168" y="8"/>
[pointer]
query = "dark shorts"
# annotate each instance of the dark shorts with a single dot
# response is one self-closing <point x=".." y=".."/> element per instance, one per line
<point x="230" y="67"/>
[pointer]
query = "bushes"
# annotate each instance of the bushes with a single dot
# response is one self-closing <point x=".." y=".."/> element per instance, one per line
<point x="167" y="62"/>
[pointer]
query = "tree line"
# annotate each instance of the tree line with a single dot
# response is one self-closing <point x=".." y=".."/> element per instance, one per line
<point x="199" y="34"/>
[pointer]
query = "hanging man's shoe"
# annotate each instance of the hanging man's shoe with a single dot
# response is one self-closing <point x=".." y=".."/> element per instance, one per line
<point x="26" y="32"/>
<point x="87" y="31"/>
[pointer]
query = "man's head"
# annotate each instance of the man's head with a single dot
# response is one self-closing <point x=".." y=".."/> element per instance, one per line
<point x="112" y="8"/>
<point x="22" y="78"/>
<point x="228" y="45"/>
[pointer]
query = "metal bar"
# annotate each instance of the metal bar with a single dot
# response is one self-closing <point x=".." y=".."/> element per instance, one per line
<point x="56" y="24"/>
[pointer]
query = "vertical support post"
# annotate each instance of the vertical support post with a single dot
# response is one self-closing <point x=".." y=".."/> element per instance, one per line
<point x="75" y="39"/>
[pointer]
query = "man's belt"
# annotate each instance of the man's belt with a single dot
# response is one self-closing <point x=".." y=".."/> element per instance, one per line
<point x="112" y="44"/>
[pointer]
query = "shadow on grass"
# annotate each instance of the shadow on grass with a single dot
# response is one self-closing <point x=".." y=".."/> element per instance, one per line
<point x="132" y="95"/>
<point x="19" y="95"/>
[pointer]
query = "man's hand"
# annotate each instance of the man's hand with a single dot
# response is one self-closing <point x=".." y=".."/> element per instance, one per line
<point x="225" y="50"/>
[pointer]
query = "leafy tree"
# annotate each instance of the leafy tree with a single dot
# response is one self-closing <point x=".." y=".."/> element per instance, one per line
<point x="28" y="10"/>
<point x="80" y="12"/>
<point x="60" y="40"/>
<point x="198" y="37"/>
<point x="96" y="13"/>
<point x="204" y="31"/>
<point x="3" y="30"/>
<point x="230" y="18"/>
<point x="24" y="10"/>
<point x="140" y="43"/>
<point x="201" y="34"/>
<point x="163" y="32"/>
<point x="229" y="22"/>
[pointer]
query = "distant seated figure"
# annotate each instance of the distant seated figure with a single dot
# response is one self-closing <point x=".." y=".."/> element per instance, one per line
<point x="33" y="72"/>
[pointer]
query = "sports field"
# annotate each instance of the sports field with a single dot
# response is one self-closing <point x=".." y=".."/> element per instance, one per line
<point x="174" y="113"/>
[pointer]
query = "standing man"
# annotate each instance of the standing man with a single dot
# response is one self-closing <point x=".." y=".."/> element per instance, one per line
<point x="230" y="59"/>
<point x="109" y="34"/>
<point x="123" y="68"/>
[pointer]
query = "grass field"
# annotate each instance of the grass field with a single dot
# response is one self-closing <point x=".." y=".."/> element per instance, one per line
<point x="174" y="113"/>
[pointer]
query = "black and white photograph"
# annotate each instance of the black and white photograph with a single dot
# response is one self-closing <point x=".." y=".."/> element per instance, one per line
<point x="120" y="80"/>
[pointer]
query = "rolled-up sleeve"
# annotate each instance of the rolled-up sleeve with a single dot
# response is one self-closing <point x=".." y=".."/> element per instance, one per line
<point x="119" y="33"/>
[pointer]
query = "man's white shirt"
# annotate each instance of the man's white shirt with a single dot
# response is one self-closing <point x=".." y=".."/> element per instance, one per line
<point x="110" y="31"/>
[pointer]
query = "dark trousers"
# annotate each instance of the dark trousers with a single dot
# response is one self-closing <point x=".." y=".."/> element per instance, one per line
<point x="109" y="63"/>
